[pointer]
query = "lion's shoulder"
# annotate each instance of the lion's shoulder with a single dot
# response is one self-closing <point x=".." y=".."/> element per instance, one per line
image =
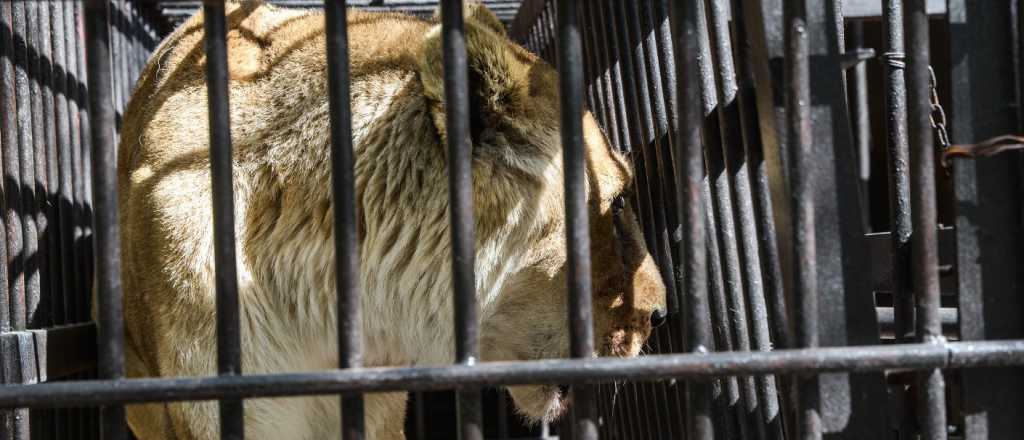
<point x="272" y="52"/>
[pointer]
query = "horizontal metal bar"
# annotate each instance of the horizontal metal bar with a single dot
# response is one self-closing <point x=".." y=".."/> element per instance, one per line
<point x="873" y="8"/>
<point x="1008" y="353"/>
<point x="887" y="322"/>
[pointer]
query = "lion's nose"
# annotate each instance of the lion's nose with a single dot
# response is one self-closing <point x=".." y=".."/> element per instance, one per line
<point x="658" y="317"/>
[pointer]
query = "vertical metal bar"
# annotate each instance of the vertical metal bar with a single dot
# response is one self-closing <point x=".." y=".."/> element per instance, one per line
<point x="58" y="294"/>
<point x="45" y="257"/>
<point x="601" y="45"/>
<point x="648" y="190"/>
<point x="114" y="26"/>
<point x="460" y="187"/>
<point x="26" y="162"/>
<point x="346" y="239"/>
<point x="12" y="170"/>
<point x="861" y="120"/>
<point x="731" y="420"/>
<point x="547" y="38"/>
<point x="665" y="104"/>
<point x="229" y="354"/>
<point x="618" y="35"/>
<point x="419" y="422"/>
<point x="658" y="53"/>
<point x="924" y="245"/>
<point x="68" y="215"/>
<point x="589" y="74"/>
<point x="108" y="268"/>
<point x="773" y="278"/>
<point x="611" y="44"/>
<point x="643" y="51"/>
<point x="899" y="175"/>
<point x="741" y="424"/>
<point x="690" y="175"/>
<point x="989" y="198"/>
<point x="134" y="63"/>
<point x="581" y="342"/>
<point x="777" y="314"/>
<point x="8" y="140"/>
<point x="798" y="94"/>
<point x="551" y="26"/>
<point x="718" y="135"/>
<point x="123" y="57"/>
<point x="733" y="147"/>
<point x="79" y="160"/>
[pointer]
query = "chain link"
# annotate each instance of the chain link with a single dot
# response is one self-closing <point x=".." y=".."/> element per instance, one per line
<point x="938" y="115"/>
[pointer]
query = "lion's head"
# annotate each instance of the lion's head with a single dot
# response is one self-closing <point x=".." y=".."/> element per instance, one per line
<point x="521" y="216"/>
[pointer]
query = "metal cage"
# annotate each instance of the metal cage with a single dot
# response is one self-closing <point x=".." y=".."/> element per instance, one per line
<point x="808" y="296"/>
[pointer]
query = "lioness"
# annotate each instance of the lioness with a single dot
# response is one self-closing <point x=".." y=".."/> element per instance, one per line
<point x="280" y="121"/>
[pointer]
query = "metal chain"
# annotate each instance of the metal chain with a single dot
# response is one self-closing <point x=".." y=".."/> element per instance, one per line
<point x="938" y="115"/>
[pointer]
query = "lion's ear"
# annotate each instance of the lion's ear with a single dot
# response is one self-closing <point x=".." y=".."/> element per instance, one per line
<point x="498" y="78"/>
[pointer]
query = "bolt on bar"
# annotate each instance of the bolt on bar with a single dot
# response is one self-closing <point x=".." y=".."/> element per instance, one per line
<point x="899" y="175"/>
<point x="690" y="174"/>
<point x="346" y="240"/>
<point x="798" y="101"/>
<point x="581" y="328"/>
<point x="108" y="247"/>
<point x="460" y="187"/>
<point x="229" y="356"/>
<point x="924" y="245"/>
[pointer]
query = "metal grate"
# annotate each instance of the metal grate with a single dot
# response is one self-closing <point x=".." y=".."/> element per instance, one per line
<point x="748" y="186"/>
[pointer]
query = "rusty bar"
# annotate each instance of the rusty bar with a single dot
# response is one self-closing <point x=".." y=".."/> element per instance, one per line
<point x="923" y="242"/>
<point x="350" y="340"/>
<point x="690" y="175"/>
<point x="899" y="174"/>
<point x="581" y="327"/>
<point x="798" y="102"/>
<point x="229" y="354"/>
<point x="111" y="326"/>
<point x="697" y="365"/>
<point x="460" y="190"/>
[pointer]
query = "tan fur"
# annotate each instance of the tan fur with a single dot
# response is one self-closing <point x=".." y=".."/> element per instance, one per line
<point x="280" y="131"/>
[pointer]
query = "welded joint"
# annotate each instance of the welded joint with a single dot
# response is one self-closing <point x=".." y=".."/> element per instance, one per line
<point x="856" y="56"/>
